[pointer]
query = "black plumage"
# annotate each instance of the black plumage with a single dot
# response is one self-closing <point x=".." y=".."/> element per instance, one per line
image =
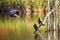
<point x="36" y="27"/>
<point x="40" y="22"/>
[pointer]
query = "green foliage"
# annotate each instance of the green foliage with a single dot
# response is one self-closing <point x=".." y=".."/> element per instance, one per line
<point x="59" y="4"/>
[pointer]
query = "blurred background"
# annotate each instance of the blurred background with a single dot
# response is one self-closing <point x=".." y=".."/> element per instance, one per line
<point x="21" y="28"/>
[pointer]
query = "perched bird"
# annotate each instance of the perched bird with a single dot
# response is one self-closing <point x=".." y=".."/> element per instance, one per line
<point x="36" y="27"/>
<point x="40" y="22"/>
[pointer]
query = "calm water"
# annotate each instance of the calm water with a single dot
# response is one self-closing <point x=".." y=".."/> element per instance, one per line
<point x="21" y="30"/>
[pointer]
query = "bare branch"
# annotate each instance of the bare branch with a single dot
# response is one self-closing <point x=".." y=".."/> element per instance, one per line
<point x="48" y="15"/>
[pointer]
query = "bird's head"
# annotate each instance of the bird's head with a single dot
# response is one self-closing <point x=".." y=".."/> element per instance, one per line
<point x="34" y="24"/>
<point x="39" y="18"/>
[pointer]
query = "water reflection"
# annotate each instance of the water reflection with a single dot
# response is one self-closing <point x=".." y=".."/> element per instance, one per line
<point x="37" y="36"/>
